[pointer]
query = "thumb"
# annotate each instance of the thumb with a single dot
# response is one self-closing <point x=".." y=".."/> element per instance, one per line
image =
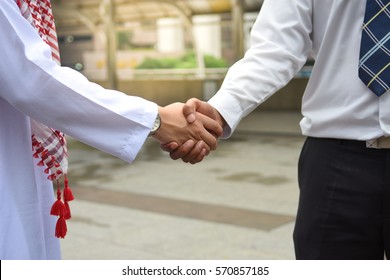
<point x="190" y="108"/>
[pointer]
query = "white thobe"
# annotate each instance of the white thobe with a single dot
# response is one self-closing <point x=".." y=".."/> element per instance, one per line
<point x="33" y="86"/>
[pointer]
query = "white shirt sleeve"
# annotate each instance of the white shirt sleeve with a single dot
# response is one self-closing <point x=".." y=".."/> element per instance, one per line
<point x="63" y="98"/>
<point x="280" y="45"/>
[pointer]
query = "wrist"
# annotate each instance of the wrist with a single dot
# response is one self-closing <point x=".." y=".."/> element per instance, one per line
<point x="219" y="119"/>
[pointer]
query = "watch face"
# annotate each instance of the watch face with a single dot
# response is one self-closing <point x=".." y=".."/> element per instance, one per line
<point x="156" y="124"/>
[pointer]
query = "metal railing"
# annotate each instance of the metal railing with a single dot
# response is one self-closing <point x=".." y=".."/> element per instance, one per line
<point x="172" y="74"/>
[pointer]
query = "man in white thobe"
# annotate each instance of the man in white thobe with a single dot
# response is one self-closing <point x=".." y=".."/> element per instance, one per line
<point x="33" y="86"/>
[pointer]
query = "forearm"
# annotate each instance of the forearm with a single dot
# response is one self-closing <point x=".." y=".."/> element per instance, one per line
<point x="280" y="45"/>
<point x="64" y="99"/>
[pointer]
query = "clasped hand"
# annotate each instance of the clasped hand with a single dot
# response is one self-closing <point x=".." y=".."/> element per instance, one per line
<point x="189" y="131"/>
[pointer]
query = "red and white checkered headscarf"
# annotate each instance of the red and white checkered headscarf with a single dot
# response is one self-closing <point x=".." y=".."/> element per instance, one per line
<point x="48" y="144"/>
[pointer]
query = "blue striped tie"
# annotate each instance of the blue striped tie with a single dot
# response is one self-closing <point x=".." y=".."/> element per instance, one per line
<point x="374" y="64"/>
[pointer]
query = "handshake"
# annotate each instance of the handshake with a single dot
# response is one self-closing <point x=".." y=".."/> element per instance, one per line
<point x="189" y="131"/>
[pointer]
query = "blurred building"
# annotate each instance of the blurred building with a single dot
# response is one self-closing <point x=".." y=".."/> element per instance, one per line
<point x="108" y="39"/>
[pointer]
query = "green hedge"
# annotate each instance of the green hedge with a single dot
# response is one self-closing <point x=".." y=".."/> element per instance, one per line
<point x="185" y="62"/>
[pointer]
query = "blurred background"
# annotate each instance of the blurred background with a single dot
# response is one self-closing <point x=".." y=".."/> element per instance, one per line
<point x="163" y="50"/>
<point x="239" y="203"/>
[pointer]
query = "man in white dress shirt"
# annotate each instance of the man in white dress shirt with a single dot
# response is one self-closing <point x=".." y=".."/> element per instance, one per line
<point x="344" y="168"/>
<point x="37" y="96"/>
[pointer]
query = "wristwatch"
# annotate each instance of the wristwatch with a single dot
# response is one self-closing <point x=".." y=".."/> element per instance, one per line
<point x="156" y="126"/>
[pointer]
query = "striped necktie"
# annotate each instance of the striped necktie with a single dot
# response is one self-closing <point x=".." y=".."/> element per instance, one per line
<point x="374" y="63"/>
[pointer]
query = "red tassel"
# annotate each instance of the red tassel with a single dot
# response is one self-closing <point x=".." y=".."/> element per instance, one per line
<point x="58" y="208"/>
<point x="67" y="215"/>
<point x="62" y="209"/>
<point x="61" y="228"/>
<point x="68" y="194"/>
<point x="52" y="177"/>
<point x="44" y="153"/>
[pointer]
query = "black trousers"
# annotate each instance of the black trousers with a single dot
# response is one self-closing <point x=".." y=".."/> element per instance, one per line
<point x="344" y="203"/>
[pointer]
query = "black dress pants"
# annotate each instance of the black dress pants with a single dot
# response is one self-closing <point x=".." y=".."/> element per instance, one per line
<point x="344" y="203"/>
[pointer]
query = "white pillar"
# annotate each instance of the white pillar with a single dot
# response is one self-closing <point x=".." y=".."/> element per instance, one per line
<point x="238" y="28"/>
<point x="170" y="35"/>
<point x="207" y="32"/>
<point x="109" y="22"/>
<point x="249" y="20"/>
<point x="99" y="38"/>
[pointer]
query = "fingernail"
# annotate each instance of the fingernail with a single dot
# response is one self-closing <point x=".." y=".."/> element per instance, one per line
<point x="191" y="118"/>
